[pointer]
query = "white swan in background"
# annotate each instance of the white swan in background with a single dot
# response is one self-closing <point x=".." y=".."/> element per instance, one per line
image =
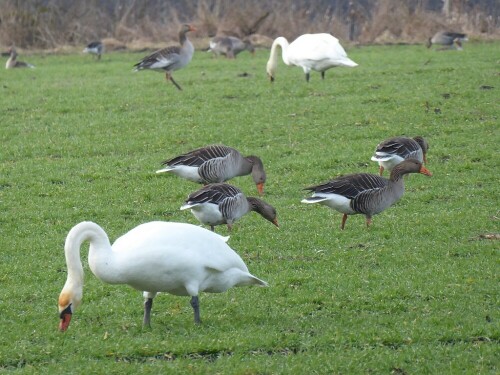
<point x="318" y="52"/>
<point x="180" y="259"/>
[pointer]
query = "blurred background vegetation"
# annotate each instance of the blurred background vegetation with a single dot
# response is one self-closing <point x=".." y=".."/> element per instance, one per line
<point x="53" y="24"/>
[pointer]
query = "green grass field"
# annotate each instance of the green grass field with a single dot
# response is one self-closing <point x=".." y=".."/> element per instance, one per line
<point x="416" y="293"/>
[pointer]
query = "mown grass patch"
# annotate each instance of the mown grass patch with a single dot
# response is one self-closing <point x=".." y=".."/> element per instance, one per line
<point x="417" y="292"/>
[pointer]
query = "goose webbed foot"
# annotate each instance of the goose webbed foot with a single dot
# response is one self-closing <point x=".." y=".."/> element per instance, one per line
<point x="148" y="304"/>
<point x="195" y="303"/>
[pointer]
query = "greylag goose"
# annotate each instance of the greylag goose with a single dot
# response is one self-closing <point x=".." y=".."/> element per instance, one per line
<point x="94" y="48"/>
<point x="364" y="193"/>
<point x="230" y="46"/>
<point x="448" y="39"/>
<point x="176" y="258"/>
<point x="171" y="58"/>
<point x="221" y="203"/>
<point x="12" y="62"/>
<point x="393" y="151"/>
<point x="318" y="52"/>
<point x="216" y="163"/>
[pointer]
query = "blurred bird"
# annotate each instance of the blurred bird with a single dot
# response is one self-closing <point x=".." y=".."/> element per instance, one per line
<point x="318" y="52"/>
<point x="94" y="48"/>
<point x="230" y="46"/>
<point x="171" y="58"/>
<point x="217" y="204"/>
<point x="12" y="62"/>
<point x="448" y="39"/>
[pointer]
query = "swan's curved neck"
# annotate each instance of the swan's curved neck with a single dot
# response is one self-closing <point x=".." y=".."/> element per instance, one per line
<point x="100" y="253"/>
<point x="283" y="43"/>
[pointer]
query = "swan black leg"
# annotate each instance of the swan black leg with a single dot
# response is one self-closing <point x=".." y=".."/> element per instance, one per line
<point x="307" y="77"/>
<point x="148" y="304"/>
<point x="196" y="308"/>
<point x="323" y="75"/>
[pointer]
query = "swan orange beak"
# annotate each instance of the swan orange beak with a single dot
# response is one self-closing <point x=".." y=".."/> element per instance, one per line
<point x="64" y="323"/>
<point x="65" y="318"/>
<point x="425" y="171"/>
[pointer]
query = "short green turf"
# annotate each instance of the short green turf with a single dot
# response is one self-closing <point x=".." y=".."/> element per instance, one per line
<point x="415" y="293"/>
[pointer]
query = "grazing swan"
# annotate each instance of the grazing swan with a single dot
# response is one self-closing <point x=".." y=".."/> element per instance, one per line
<point x="171" y="58"/>
<point x="448" y="39"/>
<point x="217" y="204"/>
<point x="393" y="151"/>
<point x="94" y="48"/>
<point x="364" y="193"/>
<point x="216" y="163"/>
<point x="12" y="62"/>
<point x="318" y="52"/>
<point x="180" y="259"/>
<point x="230" y="46"/>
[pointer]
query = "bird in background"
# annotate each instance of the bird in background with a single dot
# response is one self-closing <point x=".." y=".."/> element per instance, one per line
<point x="171" y="58"/>
<point x="176" y="258"/>
<point x="318" y="52"/>
<point x="230" y="46"/>
<point x="393" y="151"/>
<point x="216" y="163"/>
<point x="95" y="48"/>
<point x="364" y="193"/>
<point x="221" y="203"/>
<point x="450" y="40"/>
<point x="12" y="61"/>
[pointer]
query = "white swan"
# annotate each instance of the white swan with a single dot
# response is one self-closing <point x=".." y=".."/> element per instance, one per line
<point x="180" y="259"/>
<point x="318" y="52"/>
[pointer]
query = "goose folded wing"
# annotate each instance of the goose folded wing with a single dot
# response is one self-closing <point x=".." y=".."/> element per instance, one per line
<point x="161" y="59"/>
<point x="199" y="156"/>
<point x="214" y="193"/>
<point x="350" y="186"/>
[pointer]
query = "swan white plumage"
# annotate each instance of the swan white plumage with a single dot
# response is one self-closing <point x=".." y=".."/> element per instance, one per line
<point x="318" y="52"/>
<point x="180" y="259"/>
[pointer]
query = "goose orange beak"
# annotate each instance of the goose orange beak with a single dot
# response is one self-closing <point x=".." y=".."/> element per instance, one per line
<point x="275" y="222"/>
<point x="425" y="171"/>
<point x="260" y="188"/>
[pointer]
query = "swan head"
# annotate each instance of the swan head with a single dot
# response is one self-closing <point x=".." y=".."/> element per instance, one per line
<point x="271" y="69"/>
<point x="68" y="302"/>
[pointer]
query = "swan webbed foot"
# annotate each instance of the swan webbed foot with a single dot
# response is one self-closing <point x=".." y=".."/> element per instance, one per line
<point x="195" y="303"/>
<point x="148" y="304"/>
